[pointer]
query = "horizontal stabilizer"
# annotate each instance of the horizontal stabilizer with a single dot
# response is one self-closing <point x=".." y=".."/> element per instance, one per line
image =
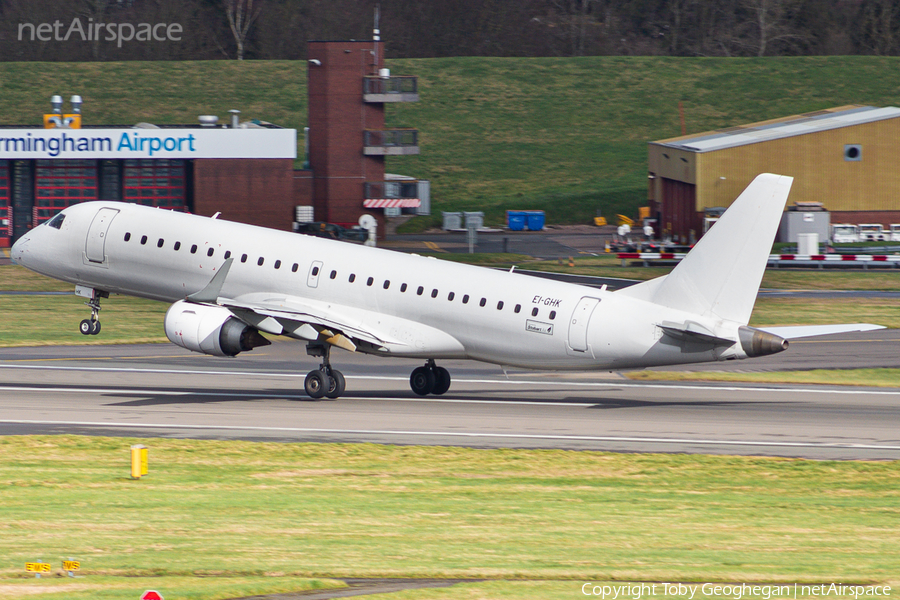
<point x="693" y="332"/>
<point x="800" y="331"/>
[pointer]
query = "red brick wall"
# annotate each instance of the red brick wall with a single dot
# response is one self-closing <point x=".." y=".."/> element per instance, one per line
<point x="255" y="191"/>
<point x="303" y="187"/>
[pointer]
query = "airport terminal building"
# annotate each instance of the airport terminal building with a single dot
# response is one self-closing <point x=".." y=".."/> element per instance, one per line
<point x="244" y="169"/>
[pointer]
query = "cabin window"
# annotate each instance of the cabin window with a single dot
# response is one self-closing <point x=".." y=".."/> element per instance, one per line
<point x="517" y="309"/>
<point x="160" y="243"/>
<point x="177" y="246"/>
<point x="420" y="291"/>
<point x="277" y="264"/>
<point x="210" y="252"/>
<point x="352" y="277"/>
<point x="227" y="254"/>
<point x="243" y="258"/>
<point x="451" y="296"/>
<point x="403" y="287"/>
<point x="194" y="249"/>
<point x="483" y="302"/>
<point x="500" y="305"/>
<point x="466" y="299"/>
<point x="294" y="268"/>
<point x="143" y="240"/>
<point x="534" y="312"/>
<point x="260" y="261"/>
<point x="370" y="281"/>
<point x="333" y="274"/>
<point x="127" y="237"/>
<point x="387" y="283"/>
<point x="552" y="314"/>
<point x="434" y="293"/>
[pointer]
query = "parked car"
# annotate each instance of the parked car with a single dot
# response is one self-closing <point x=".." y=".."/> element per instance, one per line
<point x="895" y="232"/>
<point x="332" y="231"/>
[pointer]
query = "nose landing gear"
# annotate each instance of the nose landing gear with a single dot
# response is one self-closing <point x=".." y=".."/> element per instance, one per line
<point x="325" y="382"/>
<point x="91" y="326"/>
<point x="430" y="379"/>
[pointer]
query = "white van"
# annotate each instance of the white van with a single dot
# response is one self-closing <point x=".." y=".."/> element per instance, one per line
<point x="872" y="232"/>
<point x="844" y="233"/>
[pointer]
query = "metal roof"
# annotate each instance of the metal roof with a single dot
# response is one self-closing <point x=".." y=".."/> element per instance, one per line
<point x="783" y="128"/>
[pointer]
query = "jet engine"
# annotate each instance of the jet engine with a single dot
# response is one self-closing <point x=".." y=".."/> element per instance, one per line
<point x="210" y="330"/>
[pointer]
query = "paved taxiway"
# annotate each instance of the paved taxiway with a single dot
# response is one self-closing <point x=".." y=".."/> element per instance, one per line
<point x="164" y="391"/>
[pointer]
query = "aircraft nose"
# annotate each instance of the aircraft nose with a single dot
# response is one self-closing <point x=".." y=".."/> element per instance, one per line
<point x="18" y="250"/>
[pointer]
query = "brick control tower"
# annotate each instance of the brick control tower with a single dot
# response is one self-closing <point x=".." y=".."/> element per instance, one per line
<point x="348" y="88"/>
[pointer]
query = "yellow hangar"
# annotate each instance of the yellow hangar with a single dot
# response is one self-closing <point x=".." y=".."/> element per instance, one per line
<point x="845" y="158"/>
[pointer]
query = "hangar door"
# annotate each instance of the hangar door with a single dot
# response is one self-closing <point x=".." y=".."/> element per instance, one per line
<point x="679" y="209"/>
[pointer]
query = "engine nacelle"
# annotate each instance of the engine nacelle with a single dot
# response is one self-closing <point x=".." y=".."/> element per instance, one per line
<point x="210" y="330"/>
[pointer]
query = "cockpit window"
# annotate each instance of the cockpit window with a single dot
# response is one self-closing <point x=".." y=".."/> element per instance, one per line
<point x="57" y="221"/>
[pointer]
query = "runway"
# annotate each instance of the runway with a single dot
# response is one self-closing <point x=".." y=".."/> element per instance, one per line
<point x="164" y="391"/>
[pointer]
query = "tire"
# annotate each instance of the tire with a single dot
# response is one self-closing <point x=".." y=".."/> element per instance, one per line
<point x="338" y="385"/>
<point x="316" y="384"/>
<point x="441" y="381"/>
<point x="422" y="381"/>
<point x="95" y="327"/>
<point x="85" y="327"/>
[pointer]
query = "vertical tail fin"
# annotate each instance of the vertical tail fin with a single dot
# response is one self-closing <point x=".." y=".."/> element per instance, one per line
<point x="720" y="276"/>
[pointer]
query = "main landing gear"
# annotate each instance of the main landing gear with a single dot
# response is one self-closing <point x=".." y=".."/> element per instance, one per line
<point x="430" y="379"/>
<point x="324" y="382"/>
<point x="92" y="326"/>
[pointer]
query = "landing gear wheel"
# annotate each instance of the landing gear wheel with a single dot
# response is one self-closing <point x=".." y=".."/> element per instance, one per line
<point x="422" y="381"/>
<point x="441" y="381"/>
<point x="316" y="384"/>
<point x="91" y="326"/>
<point x="338" y="385"/>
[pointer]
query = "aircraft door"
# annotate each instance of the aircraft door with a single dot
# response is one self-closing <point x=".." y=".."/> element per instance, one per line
<point x="578" y="325"/>
<point x="312" y="280"/>
<point x="95" y="246"/>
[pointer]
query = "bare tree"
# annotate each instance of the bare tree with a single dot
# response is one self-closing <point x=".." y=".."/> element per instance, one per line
<point x="241" y="15"/>
<point x="880" y="27"/>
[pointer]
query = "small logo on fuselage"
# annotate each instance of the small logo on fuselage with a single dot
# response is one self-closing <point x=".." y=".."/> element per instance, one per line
<point x="538" y="327"/>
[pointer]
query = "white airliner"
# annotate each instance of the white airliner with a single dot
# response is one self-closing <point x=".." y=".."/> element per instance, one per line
<point x="229" y="281"/>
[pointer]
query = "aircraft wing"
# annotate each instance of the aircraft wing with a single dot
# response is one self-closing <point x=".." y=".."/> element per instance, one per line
<point x="794" y="332"/>
<point x="310" y="320"/>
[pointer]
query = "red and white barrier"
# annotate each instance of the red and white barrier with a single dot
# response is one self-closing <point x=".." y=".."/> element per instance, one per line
<point x="786" y="260"/>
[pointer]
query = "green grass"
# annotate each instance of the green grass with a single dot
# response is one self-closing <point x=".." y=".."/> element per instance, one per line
<point x="53" y="320"/>
<point x="211" y="510"/>
<point x="565" y="135"/>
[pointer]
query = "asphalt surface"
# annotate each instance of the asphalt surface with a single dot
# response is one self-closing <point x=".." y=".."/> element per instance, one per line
<point x="164" y="391"/>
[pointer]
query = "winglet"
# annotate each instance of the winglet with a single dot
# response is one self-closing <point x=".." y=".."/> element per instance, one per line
<point x="212" y="291"/>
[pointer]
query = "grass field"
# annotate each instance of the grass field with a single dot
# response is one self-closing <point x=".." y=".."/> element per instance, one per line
<point x="210" y="511"/>
<point x="566" y="135"/>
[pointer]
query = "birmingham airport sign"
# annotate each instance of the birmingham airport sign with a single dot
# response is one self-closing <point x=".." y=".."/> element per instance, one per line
<point x="147" y="143"/>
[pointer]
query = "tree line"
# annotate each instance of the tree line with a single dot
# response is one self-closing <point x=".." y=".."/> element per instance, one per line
<point x="85" y="30"/>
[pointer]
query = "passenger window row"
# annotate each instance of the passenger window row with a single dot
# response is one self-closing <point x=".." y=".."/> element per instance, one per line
<point x="420" y="290"/>
<point x="211" y="251"/>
